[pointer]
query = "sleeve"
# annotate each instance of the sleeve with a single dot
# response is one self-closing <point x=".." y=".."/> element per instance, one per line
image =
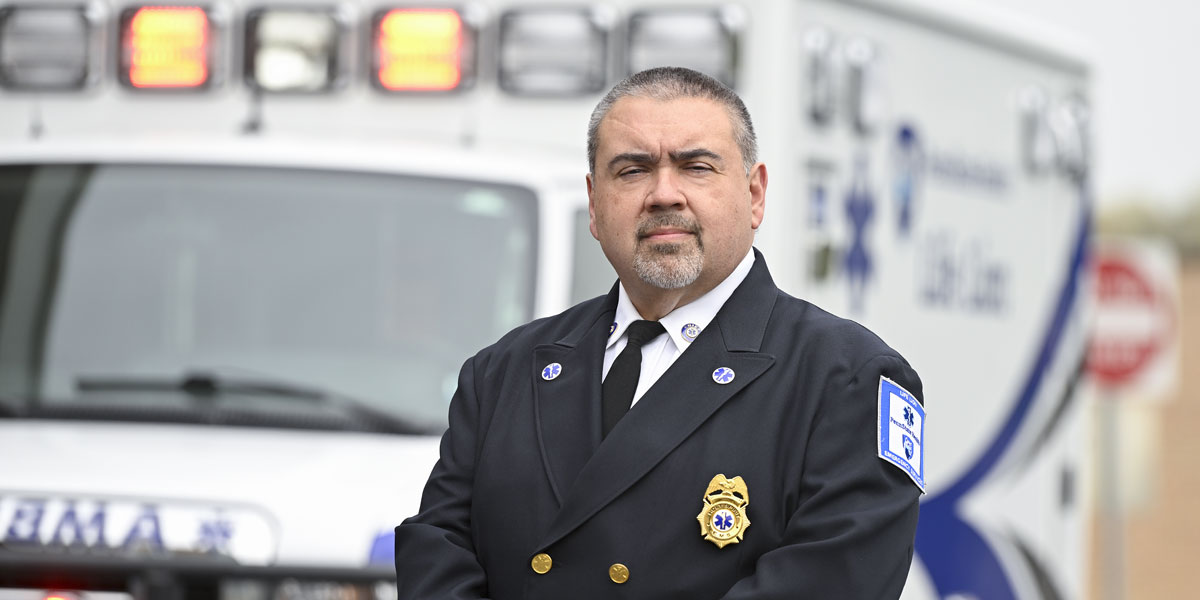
<point x="435" y="555"/>
<point x="851" y="536"/>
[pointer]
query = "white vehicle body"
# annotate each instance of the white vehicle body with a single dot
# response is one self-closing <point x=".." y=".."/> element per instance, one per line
<point x="928" y="178"/>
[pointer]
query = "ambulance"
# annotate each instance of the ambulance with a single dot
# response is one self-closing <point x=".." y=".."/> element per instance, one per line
<point x="245" y="246"/>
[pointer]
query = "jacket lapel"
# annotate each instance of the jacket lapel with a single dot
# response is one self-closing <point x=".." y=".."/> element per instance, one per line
<point x="676" y="405"/>
<point x="567" y="408"/>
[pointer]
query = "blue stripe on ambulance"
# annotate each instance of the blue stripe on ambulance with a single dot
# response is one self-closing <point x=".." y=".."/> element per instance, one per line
<point x="959" y="560"/>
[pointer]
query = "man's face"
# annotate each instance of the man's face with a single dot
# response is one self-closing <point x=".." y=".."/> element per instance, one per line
<point x="670" y="200"/>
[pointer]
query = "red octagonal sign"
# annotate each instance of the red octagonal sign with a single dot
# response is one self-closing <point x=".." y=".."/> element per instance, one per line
<point x="1134" y="321"/>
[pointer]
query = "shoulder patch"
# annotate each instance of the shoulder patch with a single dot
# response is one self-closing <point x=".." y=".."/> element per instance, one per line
<point x="902" y="430"/>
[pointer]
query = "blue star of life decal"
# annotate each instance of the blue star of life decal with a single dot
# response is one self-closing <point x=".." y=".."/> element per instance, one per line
<point x="860" y="207"/>
<point x="723" y="375"/>
<point x="215" y="536"/>
<point x="902" y="430"/>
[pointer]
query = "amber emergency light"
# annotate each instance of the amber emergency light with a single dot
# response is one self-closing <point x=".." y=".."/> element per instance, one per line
<point x="419" y="50"/>
<point x="165" y="47"/>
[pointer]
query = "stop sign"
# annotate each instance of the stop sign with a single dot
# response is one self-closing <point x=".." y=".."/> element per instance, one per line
<point x="1135" y="314"/>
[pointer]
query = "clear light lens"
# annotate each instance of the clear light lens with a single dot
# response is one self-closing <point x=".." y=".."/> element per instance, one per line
<point x="1068" y="122"/>
<point x="818" y="44"/>
<point x="44" y="48"/>
<point x="386" y="590"/>
<point x="421" y="50"/>
<point x="292" y="50"/>
<point x="165" y="47"/>
<point x="1037" y="141"/>
<point x="553" y="51"/>
<point x="863" y="96"/>
<point x="700" y="39"/>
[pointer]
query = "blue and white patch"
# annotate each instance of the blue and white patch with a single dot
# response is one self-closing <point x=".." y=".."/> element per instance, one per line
<point x="902" y="430"/>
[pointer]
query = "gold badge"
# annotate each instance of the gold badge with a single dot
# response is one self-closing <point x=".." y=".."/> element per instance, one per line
<point x="723" y="518"/>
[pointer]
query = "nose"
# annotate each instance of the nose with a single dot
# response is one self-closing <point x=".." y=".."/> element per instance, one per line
<point x="666" y="191"/>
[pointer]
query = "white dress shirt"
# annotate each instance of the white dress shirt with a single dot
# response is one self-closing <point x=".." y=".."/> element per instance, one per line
<point x="660" y="353"/>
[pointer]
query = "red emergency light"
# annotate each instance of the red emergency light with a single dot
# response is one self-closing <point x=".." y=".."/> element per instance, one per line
<point x="421" y="50"/>
<point x="165" y="47"/>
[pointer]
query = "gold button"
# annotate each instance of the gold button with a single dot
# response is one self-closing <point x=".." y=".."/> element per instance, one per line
<point x="619" y="573"/>
<point x="542" y="563"/>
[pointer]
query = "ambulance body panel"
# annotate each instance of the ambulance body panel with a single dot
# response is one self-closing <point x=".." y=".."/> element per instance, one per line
<point x="928" y="177"/>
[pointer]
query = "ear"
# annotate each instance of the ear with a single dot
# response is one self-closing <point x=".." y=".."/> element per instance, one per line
<point x="758" y="194"/>
<point x="591" y="191"/>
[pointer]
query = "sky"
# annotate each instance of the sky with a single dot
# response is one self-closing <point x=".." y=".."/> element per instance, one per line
<point x="1145" y="94"/>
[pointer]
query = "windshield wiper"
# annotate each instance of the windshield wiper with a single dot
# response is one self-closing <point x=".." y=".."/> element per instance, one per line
<point x="204" y="385"/>
<point x="208" y="386"/>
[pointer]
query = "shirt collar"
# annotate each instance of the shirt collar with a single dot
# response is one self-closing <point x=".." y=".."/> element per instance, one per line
<point x="699" y="312"/>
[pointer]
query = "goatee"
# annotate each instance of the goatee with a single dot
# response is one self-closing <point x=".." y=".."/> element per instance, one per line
<point x="668" y="265"/>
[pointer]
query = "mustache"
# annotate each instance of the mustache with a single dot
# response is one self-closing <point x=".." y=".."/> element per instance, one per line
<point x="673" y="221"/>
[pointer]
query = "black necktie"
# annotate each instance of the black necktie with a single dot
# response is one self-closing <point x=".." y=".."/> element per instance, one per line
<point x="622" y="378"/>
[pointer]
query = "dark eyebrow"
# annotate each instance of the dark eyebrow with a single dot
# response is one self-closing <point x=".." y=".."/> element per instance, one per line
<point x="693" y="154"/>
<point x="643" y="158"/>
<point x="637" y="158"/>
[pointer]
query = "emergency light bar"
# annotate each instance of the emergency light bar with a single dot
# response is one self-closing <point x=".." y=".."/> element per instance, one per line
<point x="294" y="50"/>
<point x="422" y="50"/>
<point x="555" y="51"/>
<point x="541" y="51"/>
<point x="165" y="47"/>
<point x="703" y="39"/>
<point x="45" y="48"/>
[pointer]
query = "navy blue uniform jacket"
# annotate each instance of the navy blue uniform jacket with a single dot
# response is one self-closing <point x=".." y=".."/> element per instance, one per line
<point x="523" y="469"/>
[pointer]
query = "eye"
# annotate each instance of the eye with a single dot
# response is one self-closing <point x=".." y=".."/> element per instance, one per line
<point x="631" y="171"/>
<point x="698" y="167"/>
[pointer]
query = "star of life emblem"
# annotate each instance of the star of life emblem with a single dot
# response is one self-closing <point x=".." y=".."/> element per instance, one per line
<point x="723" y="517"/>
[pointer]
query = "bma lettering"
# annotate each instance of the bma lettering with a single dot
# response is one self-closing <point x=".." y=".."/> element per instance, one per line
<point x="74" y="531"/>
<point x="145" y="534"/>
<point x="26" y="521"/>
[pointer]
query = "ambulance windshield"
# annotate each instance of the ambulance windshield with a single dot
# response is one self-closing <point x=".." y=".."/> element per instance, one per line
<point x="371" y="286"/>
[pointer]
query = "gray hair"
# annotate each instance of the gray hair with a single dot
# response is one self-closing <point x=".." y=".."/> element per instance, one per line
<point x="672" y="83"/>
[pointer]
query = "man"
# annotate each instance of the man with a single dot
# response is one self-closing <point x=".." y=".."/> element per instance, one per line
<point x="750" y="464"/>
